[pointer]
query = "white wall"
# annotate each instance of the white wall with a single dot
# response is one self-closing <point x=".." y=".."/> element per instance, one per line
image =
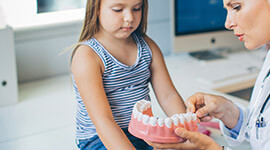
<point x="159" y="27"/>
<point x="37" y="49"/>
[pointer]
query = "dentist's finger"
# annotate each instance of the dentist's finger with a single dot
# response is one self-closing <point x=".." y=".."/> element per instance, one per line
<point x="205" y="110"/>
<point x="206" y="118"/>
<point x="185" y="145"/>
<point x="193" y="101"/>
<point x="184" y="133"/>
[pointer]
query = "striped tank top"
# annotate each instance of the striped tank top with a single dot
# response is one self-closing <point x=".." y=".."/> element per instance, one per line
<point x="124" y="86"/>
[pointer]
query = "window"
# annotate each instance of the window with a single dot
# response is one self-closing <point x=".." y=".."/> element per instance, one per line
<point x="57" y="5"/>
<point x="27" y="14"/>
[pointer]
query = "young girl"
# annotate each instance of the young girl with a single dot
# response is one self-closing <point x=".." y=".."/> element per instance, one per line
<point x="111" y="69"/>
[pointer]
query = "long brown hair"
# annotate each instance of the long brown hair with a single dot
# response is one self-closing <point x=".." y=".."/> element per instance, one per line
<point x="91" y="23"/>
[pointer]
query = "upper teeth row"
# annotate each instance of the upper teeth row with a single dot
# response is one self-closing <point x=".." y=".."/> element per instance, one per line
<point x="143" y="105"/>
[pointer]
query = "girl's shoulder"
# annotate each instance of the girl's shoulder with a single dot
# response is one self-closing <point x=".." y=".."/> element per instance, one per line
<point x="147" y="39"/>
<point x="81" y="49"/>
<point x="83" y="56"/>
<point x="151" y="43"/>
<point x="88" y="47"/>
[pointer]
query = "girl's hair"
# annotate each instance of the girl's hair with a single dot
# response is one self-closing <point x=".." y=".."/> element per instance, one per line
<point x="91" y="23"/>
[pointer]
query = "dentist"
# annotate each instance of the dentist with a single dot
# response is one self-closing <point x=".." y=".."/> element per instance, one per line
<point x="250" y="20"/>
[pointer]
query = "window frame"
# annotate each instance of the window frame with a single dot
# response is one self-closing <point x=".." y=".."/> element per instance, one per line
<point x="26" y="15"/>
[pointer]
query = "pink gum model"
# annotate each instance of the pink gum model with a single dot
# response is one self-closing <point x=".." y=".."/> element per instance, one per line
<point x="157" y="133"/>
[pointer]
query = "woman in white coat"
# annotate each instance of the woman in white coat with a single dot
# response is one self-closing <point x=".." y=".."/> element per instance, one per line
<point x="250" y="20"/>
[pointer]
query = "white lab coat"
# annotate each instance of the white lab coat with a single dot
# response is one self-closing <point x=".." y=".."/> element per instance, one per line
<point x="248" y="128"/>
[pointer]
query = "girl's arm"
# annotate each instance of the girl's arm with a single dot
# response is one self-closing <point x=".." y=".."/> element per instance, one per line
<point x="167" y="96"/>
<point x="87" y="69"/>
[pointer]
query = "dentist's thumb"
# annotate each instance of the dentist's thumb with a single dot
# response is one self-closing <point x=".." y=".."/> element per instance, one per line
<point x="189" y="135"/>
<point x="199" y="140"/>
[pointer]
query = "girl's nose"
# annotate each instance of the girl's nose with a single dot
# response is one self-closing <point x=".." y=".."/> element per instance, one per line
<point x="128" y="17"/>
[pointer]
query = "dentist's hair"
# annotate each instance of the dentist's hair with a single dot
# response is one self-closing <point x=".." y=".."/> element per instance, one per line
<point x="91" y="23"/>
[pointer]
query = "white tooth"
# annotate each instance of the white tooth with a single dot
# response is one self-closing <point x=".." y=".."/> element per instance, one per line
<point x="145" y="119"/>
<point x="175" y="115"/>
<point x="194" y="117"/>
<point x="189" y="113"/>
<point x="138" y="107"/>
<point x="135" y="113"/>
<point x="175" y="120"/>
<point x="142" y="108"/>
<point x="147" y="105"/>
<point x="187" y="117"/>
<point x="140" y="116"/>
<point x="144" y="105"/>
<point x="168" y="122"/>
<point x="142" y="101"/>
<point x="161" y="122"/>
<point x="134" y="108"/>
<point x="181" y="119"/>
<point x="145" y="101"/>
<point x="153" y="121"/>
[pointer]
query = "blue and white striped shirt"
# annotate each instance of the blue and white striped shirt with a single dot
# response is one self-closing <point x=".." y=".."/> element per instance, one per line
<point x="124" y="86"/>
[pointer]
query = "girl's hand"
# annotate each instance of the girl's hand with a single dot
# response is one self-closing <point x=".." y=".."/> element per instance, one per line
<point x="195" y="141"/>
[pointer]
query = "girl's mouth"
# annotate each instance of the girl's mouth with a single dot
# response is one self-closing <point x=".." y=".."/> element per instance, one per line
<point x="126" y="28"/>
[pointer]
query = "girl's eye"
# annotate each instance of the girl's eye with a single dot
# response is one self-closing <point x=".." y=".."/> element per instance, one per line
<point x="137" y="9"/>
<point x="117" y="10"/>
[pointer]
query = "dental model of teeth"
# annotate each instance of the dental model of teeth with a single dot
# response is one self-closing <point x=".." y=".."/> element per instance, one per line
<point x="145" y="126"/>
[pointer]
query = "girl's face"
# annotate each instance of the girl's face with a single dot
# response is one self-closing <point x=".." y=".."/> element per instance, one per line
<point x="119" y="18"/>
<point x="250" y="20"/>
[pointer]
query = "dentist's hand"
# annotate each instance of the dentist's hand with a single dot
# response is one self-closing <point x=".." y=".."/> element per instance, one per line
<point x="208" y="106"/>
<point x="195" y="141"/>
